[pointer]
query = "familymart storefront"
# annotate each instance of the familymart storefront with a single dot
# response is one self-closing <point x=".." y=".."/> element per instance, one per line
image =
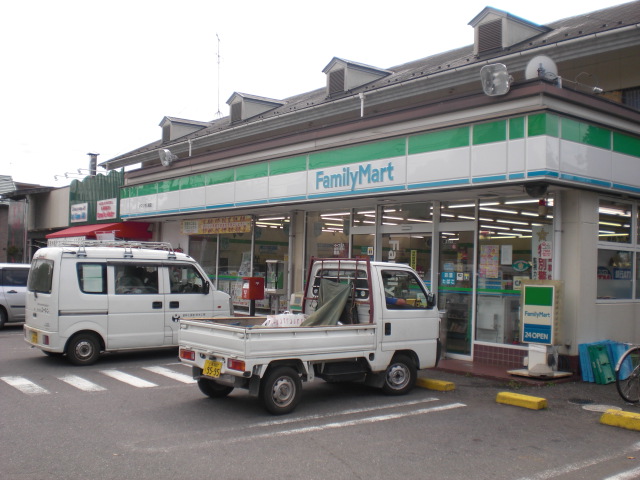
<point x="477" y="210"/>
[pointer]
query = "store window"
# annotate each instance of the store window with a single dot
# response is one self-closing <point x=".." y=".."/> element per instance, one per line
<point x="615" y="280"/>
<point x="618" y="250"/>
<point x="328" y="234"/>
<point x="515" y="243"/>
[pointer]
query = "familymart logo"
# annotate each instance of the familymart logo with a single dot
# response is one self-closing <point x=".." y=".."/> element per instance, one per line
<point x="364" y="175"/>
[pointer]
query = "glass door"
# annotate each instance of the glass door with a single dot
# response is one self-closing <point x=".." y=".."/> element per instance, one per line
<point x="455" y="289"/>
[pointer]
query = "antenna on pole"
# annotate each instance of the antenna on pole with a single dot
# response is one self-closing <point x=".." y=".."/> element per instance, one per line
<point x="218" y="113"/>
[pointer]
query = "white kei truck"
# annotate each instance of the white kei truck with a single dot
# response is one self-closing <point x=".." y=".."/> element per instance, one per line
<point x="105" y="296"/>
<point x="361" y="321"/>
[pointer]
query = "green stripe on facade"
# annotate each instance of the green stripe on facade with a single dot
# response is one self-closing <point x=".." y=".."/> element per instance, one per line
<point x="581" y="132"/>
<point x="219" y="176"/>
<point x="166" y="186"/>
<point x="192" y="181"/>
<point x="626" y="144"/>
<point x="247" y="172"/>
<point x="516" y="128"/>
<point x="490" y="132"/>
<point x="147" y="189"/>
<point x="288" y="165"/>
<point x="359" y="153"/>
<point x="543" y="124"/>
<point x="442" y="140"/>
<point x="538" y="295"/>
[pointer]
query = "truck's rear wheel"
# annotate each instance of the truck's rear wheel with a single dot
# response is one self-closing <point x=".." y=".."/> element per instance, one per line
<point x="400" y="377"/>
<point x="83" y="349"/>
<point x="213" y="389"/>
<point x="281" y="390"/>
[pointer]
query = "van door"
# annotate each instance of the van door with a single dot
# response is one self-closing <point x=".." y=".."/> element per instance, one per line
<point x="188" y="296"/>
<point x="136" y="306"/>
<point x="409" y="320"/>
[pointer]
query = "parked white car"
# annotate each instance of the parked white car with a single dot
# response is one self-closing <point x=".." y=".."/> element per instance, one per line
<point x="13" y="286"/>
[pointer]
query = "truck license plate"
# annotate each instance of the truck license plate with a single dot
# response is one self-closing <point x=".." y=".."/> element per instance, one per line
<point x="212" y="369"/>
<point x="34" y="337"/>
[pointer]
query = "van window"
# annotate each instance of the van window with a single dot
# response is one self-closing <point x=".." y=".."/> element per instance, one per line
<point x="14" y="277"/>
<point x="41" y="276"/>
<point x="92" y="277"/>
<point x="136" y="279"/>
<point x="186" y="279"/>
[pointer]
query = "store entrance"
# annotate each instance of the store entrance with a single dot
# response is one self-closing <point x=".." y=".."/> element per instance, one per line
<point x="411" y="249"/>
<point x="455" y="289"/>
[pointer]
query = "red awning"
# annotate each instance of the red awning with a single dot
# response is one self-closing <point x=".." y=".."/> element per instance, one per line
<point x="122" y="230"/>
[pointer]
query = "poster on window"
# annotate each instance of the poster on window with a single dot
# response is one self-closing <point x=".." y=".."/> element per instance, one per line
<point x="542" y="252"/>
<point x="489" y="261"/>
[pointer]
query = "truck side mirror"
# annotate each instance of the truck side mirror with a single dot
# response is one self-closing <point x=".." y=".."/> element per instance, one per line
<point x="431" y="300"/>
<point x="206" y="287"/>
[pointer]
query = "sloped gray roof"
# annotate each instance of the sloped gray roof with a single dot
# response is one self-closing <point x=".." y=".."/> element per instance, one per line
<point x="566" y="29"/>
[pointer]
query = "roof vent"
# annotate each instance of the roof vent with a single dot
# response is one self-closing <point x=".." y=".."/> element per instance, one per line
<point x="173" y="128"/>
<point x="244" y="106"/>
<point x="496" y="29"/>
<point x="345" y="75"/>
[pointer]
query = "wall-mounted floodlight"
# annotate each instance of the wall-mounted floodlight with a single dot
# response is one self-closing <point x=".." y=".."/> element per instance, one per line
<point x="495" y="79"/>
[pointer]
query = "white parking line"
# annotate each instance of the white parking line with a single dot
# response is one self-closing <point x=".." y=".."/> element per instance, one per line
<point x="629" y="475"/>
<point x="81" y="383"/>
<point x="24" y="385"/>
<point x="180" y="377"/>
<point x="129" y="379"/>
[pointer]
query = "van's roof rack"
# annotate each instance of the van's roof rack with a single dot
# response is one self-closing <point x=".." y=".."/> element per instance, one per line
<point x="126" y="244"/>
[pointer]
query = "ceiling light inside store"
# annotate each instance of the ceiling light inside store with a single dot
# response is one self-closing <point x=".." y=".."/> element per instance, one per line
<point x="512" y="222"/>
<point x="499" y="210"/>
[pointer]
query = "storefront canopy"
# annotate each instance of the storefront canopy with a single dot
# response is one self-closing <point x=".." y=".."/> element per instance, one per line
<point x="120" y="230"/>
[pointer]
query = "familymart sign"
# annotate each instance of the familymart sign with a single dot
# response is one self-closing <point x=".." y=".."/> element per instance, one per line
<point x="539" y="313"/>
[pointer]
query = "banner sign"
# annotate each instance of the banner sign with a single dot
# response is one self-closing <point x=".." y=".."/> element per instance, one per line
<point x="212" y="226"/>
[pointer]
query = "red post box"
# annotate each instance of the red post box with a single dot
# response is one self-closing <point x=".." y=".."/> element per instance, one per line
<point x="252" y="288"/>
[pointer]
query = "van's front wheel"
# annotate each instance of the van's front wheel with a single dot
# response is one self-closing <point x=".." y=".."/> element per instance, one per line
<point x="83" y="349"/>
<point x="400" y="377"/>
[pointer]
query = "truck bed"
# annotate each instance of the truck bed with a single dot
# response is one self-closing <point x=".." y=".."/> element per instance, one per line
<point x="246" y="337"/>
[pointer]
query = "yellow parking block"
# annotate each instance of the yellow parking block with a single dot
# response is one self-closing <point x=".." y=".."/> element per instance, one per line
<point x="440" y="385"/>
<point x="620" y="418"/>
<point x="519" y="400"/>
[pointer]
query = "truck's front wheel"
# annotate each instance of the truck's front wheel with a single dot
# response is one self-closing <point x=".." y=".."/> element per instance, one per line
<point x="281" y="390"/>
<point x="212" y="389"/>
<point x="400" y="377"/>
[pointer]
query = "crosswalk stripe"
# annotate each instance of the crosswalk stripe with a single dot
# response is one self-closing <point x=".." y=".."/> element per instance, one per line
<point x="24" y="385"/>
<point x="180" y="377"/>
<point x="129" y="379"/>
<point x="81" y="383"/>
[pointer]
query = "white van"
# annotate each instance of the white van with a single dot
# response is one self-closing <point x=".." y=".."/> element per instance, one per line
<point x="102" y="297"/>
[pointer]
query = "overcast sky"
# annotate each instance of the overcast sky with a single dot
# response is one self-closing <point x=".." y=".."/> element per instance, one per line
<point x="98" y="76"/>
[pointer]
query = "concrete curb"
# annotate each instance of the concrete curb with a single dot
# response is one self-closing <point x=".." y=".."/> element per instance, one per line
<point x="519" y="400"/>
<point x="440" y="385"/>
<point x="620" y="418"/>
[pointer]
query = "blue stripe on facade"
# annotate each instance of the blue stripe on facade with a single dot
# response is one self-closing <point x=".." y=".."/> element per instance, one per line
<point x="357" y="192"/>
<point x="628" y="188"/>
<point x="587" y="180"/>
<point x="462" y="181"/>
<point x="287" y="199"/>
<point x="493" y="178"/>
<point x="516" y="176"/>
<point x="543" y="173"/>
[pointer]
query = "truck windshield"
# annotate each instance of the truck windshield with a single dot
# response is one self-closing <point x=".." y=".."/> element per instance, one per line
<point x="40" y="276"/>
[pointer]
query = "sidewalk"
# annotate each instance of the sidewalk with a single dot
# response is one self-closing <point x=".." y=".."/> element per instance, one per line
<point x="492" y="372"/>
